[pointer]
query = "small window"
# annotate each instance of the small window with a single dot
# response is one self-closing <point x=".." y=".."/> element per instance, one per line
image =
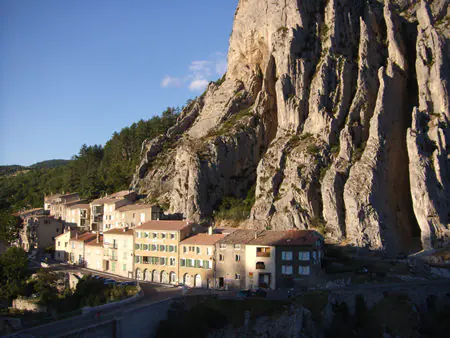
<point x="155" y="235"/>
<point x="260" y="266"/>
<point x="172" y="235"/>
<point x="138" y="234"/>
<point x="59" y="243"/>
<point x="182" y="262"/>
<point x="137" y="246"/>
<point x="162" y="248"/>
<point x="237" y="276"/>
<point x="286" y="255"/>
<point x="237" y="246"/>
<point x="146" y="234"/>
<point x="286" y="269"/>
<point x="303" y="270"/>
<point x="303" y="255"/>
<point x="163" y="235"/>
<point x="134" y="215"/>
<point x="184" y="249"/>
<point x="197" y="250"/>
<point x="208" y="251"/>
<point x="238" y="258"/>
<point x="221" y="257"/>
<point x="124" y="267"/>
<point x="223" y="246"/>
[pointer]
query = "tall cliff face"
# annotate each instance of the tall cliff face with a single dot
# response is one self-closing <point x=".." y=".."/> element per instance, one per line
<point x="338" y="112"/>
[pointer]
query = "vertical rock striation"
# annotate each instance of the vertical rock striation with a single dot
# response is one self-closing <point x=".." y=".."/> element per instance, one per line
<point x="338" y="112"/>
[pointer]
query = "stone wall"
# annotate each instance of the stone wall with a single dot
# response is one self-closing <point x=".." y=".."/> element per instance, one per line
<point x="28" y="305"/>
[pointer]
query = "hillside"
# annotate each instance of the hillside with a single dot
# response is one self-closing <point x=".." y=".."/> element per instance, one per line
<point x="337" y="111"/>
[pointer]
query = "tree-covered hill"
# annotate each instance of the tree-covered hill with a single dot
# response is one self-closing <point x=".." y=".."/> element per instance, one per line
<point x="94" y="170"/>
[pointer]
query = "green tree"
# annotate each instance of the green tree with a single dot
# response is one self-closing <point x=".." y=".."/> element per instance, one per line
<point x="13" y="272"/>
<point x="9" y="227"/>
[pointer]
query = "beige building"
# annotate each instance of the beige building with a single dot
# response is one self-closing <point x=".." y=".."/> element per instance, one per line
<point x="77" y="246"/>
<point x="103" y="210"/>
<point x="39" y="232"/>
<point x="78" y="215"/>
<point x="197" y="260"/>
<point x="62" y="244"/>
<point x="118" y="255"/>
<point x="156" y="245"/>
<point x="133" y="215"/>
<point x="58" y="205"/>
<point x="94" y="253"/>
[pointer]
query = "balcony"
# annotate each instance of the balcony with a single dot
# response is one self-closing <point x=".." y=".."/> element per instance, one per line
<point x="263" y="254"/>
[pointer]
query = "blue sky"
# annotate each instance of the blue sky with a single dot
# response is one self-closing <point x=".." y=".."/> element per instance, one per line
<point x="75" y="71"/>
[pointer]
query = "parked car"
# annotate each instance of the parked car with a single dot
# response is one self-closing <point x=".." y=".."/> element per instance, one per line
<point x="260" y="293"/>
<point x="244" y="294"/>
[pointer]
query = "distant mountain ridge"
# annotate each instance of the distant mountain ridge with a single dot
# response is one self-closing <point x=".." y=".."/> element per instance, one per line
<point x="6" y="170"/>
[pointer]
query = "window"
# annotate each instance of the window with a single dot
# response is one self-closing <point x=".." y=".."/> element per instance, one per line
<point x="113" y="266"/>
<point x="138" y="234"/>
<point x="57" y="230"/>
<point x="221" y="257"/>
<point x="124" y="267"/>
<point x="189" y="263"/>
<point x="146" y="234"/>
<point x="237" y="276"/>
<point x="173" y="235"/>
<point x="137" y="246"/>
<point x="162" y="248"/>
<point x="237" y="246"/>
<point x="59" y="243"/>
<point x="197" y="250"/>
<point x="223" y="246"/>
<point x="303" y="270"/>
<point x="184" y="249"/>
<point x="314" y="254"/>
<point x="134" y="215"/>
<point x="65" y="244"/>
<point x="144" y="246"/>
<point x="303" y="255"/>
<point x="142" y="217"/>
<point x="238" y="258"/>
<point x="162" y="260"/>
<point x="262" y="252"/>
<point x="137" y="259"/>
<point x="182" y="262"/>
<point x="286" y="269"/>
<point x="155" y="235"/>
<point x="208" y="251"/>
<point x="163" y="235"/>
<point x="170" y="248"/>
<point x="73" y="245"/>
<point x="154" y="247"/>
<point x="286" y="255"/>
<point x="125" y="255"/>
<point x="196" y="263"/>
<point x="172" y="261"/>
<point x="260" y="266"/>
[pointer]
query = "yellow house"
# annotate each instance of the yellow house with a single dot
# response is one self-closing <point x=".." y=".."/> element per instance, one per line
<point x="156" y="245"/>
<point x="197" y="260"/>
<point x="93" y="254"/>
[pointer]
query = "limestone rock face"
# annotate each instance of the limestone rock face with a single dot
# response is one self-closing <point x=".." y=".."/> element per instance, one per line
<point x="337" y="111"/>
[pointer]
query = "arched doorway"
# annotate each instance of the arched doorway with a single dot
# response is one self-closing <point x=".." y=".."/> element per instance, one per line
<point x="187" y="279"/>
<point x="146" y="275"/>
<point x="173" y="277"/>
<point x="198" y="281"/>
<point x="164" y="277"/>
<point x="155" y="276"/>
<point x="138" y="274"/>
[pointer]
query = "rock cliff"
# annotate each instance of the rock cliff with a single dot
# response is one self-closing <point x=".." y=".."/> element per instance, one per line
<point x="337" y="110"/>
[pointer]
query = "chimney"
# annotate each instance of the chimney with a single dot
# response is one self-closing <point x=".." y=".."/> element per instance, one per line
<point x="210" y="230"/>
<point x="98" y="239"/>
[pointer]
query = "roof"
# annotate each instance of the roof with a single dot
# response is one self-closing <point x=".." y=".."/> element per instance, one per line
<point x="68" y="194"/>
<point x="29" y="211"/>
<point x="93" y="242"/>
<point x="239" y="236"/>
<point x="105" y="200"/>
<point x="164" y="225"/>
<point x="85" y="237"/>
<point x="78" y="206"/>
<point x="119" y="231"/>
<point x="51" y="197"/>
<point x="121" y="193"/>
<point x="203" y="239"/>
<point x="286" y="238"/>
<point x="131" y="207"/>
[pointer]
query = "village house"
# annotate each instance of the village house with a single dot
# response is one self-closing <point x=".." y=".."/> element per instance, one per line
<point x="94" y="253"/>
<point x="133" y="215"/>
<point x="118" y="245"/>
<point x="103" y="210"/>
<point x="299" y="255"/>
<point x="197" y="259"/>
<point x="230" y="259"/>
<point x="78" y="215"/>
<point x="157" y="250"/>
<point x="76" y="247"/>
<point x="39" y="232"/>
<point x="59" y="204"/>
<point x="62" y="244"/>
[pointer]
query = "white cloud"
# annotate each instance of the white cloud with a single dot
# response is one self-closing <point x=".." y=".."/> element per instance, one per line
<point x="199" y="73"/>
<point x="169" y="81"/>
<point x="198" y="85"/>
